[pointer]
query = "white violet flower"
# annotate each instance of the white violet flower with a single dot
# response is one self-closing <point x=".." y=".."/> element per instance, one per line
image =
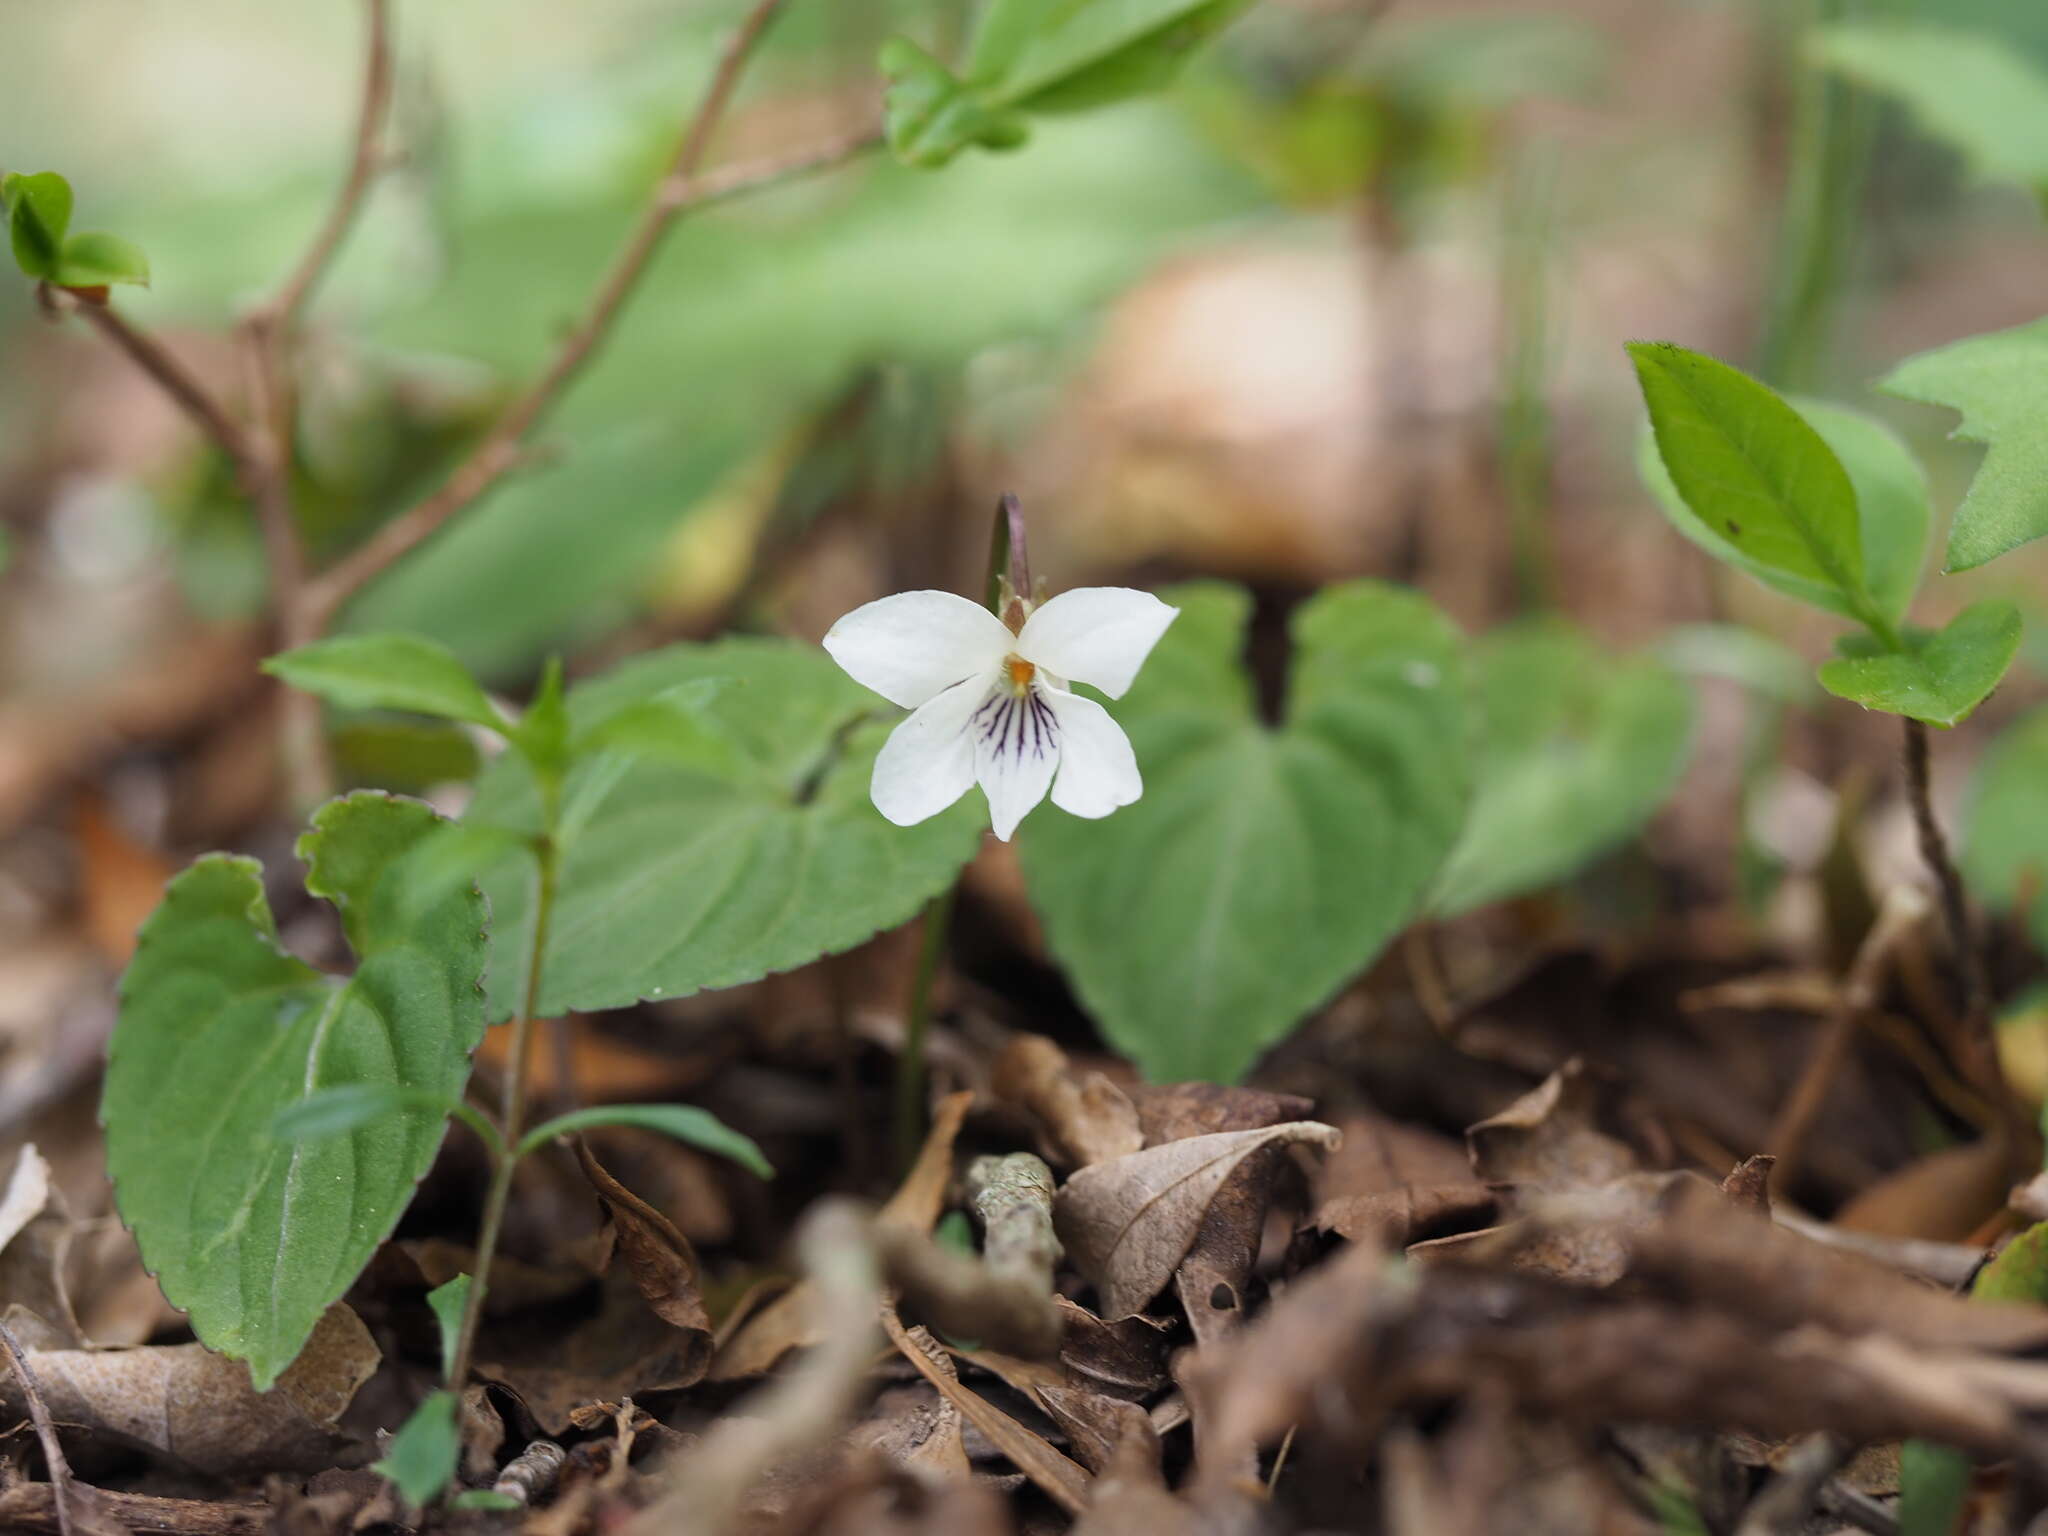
<point x="990" y="706"/>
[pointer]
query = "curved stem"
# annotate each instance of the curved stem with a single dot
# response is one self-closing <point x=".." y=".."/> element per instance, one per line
<point x="910" y="1064"/>
<point x="1955" y="909"/>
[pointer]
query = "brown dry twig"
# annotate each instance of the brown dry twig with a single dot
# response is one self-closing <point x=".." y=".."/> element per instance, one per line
<point x="61" y="1487"/>
<point x="170" y="375"/>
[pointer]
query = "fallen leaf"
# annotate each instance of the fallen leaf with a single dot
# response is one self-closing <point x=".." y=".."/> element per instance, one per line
<point x="918" y="1430"/>
<point x="1176" y="1111"/>
<point x="1129" y="1492"/>
<point x="1083" y="1117"/>
<point x="1945" y="1195"/>
<point x="185" y="1402"/>
<point x="1549" y="1137"/>
<point x="625" y="1350"/>
<point x="1128" y="1223"/>
<point x="657" y="1255"/>
<point x="122" y="879"/>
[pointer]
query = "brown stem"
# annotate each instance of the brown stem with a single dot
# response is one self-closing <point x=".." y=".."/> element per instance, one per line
<point x="1955" y="910"/>
<point x="46" y="1430"/>
<point x="177" y="381"/>
<point x="680" y="189"/>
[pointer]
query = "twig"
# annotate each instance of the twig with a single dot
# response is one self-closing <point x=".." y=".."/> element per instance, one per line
<point x="154" y="359"/>
<point x="1955" y="910"/>
<point x="276" y="315"/>
<point x="1788" y="1499"/>
<point x="34" y="1507"/>
<point x="1902" y="912"/>
<point x="678" y="190"/>
<point x="46" y="1431"/>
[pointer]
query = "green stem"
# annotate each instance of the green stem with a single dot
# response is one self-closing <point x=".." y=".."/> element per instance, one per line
<point x="910" y="1064"/>
<point x="514" y="1115"/>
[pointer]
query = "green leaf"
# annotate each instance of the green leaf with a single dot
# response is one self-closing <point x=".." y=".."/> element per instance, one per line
<point x="1750" y="468"/>
<point x="449" y="1301"/>
<point x="2004" y="850"/>
<point x="1940" y="676"/>
<point x="1738" y="654"/>
<point x="406" y="755"/>
<point x="1089" y="53"/>
<point x="680" y="878"/>
<point x="337" y="1111"/>
<point x="388" y="672"/>
<point x="38" y="214"/>
<point x="95" y="260"/>
<point x="931" y="116"/>
<point x="674" y="726"/>
<point x="420" y="1461"/>
<point x="1971" y="89"/>
<point x="1263" y="868"/>
<point x="484" y="1498"/>
<point x="685" y="1122"/>
<point x="542" y="734"/>
<point x="1893" y="511"/>
<point x="1999" y="383"/>
<point x="1577" y="750"/>
<point x="1933" y="1483"/>
<point x="220" y="1029"/>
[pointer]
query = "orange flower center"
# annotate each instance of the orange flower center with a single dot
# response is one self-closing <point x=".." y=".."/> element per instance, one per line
<point x="1020" y="673"/>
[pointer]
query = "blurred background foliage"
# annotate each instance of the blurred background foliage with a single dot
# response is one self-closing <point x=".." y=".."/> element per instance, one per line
<point x="1202" y="325"/>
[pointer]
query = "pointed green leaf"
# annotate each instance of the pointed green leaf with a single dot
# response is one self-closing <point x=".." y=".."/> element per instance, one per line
<point x="542" y="734"/>
<point x="449" y="1302"/>
<point x="2004" y="849"/>
<point x="1970" y="88"/>
<point x="676" y="878"/>
<point x="94" y="261"/>
<point x="38" y="215"/>
<point x="388" y="672"/>
<point x="1940" y="676"/>
<point x="685" y="1122"/>
<point x="420" y="1461"/>
<point x="675" y="726"/>
<point x="1893" y="510"/>
<point x="1750" y="468"/>
<point x="1263" y="868"/>
<point x="1089" y="53"/>
<point x="1999" y="383"/>
<point x="220" y="1030"/>
<point x="1577" y="750"/>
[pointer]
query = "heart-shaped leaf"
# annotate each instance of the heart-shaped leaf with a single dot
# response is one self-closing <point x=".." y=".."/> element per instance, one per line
<point x="1999" y="383"/>
<point x="1892" y="508"/>
<point x="1577" y="749"/>
<point x="679" y="877"/>
<point x="1940" y="676"/>
<point x="1753" y="471"/>
<point x="1262" y="868"/>
<point x="220" y="1030"/>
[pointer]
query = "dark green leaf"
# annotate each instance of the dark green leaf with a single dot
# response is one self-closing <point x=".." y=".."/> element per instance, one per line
<point x="449" y="1301"/>
<point x="1752" y="470"/>
<point x="676" y="727"/>
<point x="675" y="878"/>
<point x="1999" y="383"/>
<point x="94" y="261"/>
<point x="38" y="215"/>
<point x="1934" y="1482"/>
<point x="1939" y="676"/>
<point x="685" y="1122"/>
<point x="1262" y="868"/>
<point x="388" y="672"/>
<point x="542" y="733"/>
<point x="406" y="755"/>
<point x="420" y="1461"/>
<point x="221" y="1030"/>
<point x="1577" y="749"/>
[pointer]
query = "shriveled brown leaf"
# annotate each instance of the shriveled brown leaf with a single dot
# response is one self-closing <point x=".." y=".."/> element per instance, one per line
<point x="1945" y="1196"/>
<point x="625" y="1350"/>
<point x="786" y="1323"/>
<point x="1128" y="1223"/>
<point x="918" y="1430"/>
<point x="185" y="1402"/>
<point x="1097" y="1425"/>
<point x="1126" y="1358"/>
<point x="659" y="1258"/>
<point x="1393" y="1184"/>
<point x="1175" y="1111"/>
<point x="1083" y="1117"/>
<point x="1550" y="1138"/>
<point x="1748" y="1184"/>
<point x="1065" y="1483"/>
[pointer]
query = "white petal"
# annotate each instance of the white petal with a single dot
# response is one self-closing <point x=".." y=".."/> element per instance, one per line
<point x="1098" y="769"/>
<point x="1016" y="749"/>
<point x="928" y="761"/>
<point x="910" y="646"/>
<point x="1096" y="635"/>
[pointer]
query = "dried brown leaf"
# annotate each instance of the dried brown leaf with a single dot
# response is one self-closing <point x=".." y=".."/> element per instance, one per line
<point x="1175" y="1111"/>
<point x="1550" y="1137"/>
<point x="1084" y="1117"/>
<point x="1128" y="1223"/>
<point x="185" y="1402"/>
<point x="659" y="1258"/>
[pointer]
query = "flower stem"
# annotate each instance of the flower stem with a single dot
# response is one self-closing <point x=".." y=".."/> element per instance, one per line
<point x="513" y="1116"/>
<point x="910" y="1064"/>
